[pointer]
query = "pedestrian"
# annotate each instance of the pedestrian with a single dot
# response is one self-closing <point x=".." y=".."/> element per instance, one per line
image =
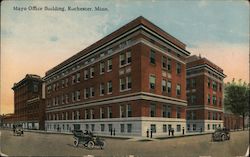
<point x="147" y="133"/>
<point x="183" y="131"/>
<point x="151" y="133"/>
<point x="201" y="129"/>
<point x="111" y="131"/>
<point x="172" y="132"/>
<point x="169" y="130"/>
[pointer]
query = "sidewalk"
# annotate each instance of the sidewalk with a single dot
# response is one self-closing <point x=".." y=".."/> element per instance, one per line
<point x="129" y="138"/>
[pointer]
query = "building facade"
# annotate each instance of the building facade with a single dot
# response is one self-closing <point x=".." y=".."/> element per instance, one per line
<point x="29" y="100"/>
<point x="204" y="95"/>
<point x="130" y="82"/>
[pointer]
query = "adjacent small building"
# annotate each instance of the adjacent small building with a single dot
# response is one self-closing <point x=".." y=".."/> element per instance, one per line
<point x="204" y="94"/>
<point x="29" y="101"/>
<point x="232" y="121"/>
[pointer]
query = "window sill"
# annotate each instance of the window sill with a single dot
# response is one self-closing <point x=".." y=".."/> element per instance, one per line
<point x="125" y="90"/>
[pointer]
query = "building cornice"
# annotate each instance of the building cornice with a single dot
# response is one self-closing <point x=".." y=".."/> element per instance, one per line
<point x="119" y="99"/>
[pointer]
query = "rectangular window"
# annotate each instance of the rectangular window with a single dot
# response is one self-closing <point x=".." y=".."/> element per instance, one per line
<point x="109" y="65"/>
<point x="73" y="79"/>
<point x="178" y="128"/>
<point x="92" y="115"/>
<point x="63" y="100"/>
<point x="194" y="127"/>
<point x="92" y="127"/>
<point x="63" y="83"/>
<point x="78" y="95"/>
<point x="193" y="99"/>
<point x="92" y="91"/>
<point x="152" y="110"/>
<point x="152" y="82"/>
<point x="101" y="113"/>
<point x="169" y="85"/>
<point x="178" y="112"/>
<point x="86" y="93"/>
<point x="178" y="68"/>
<point x="110" y="127"/>
<point x="178" y="90"/>
<point x="122" y="128"/>
<point x="164" y="62"/>
<point x="86" y="74"/>
<point x="109" y="87"/>
<point x="102" y="90"/>
<point x="102" y="127"/>
<point x="128" y="55"/>
<point x="169" y="64"/>
<point x="129" y="82"/>
<point x="214" y="116"/>
<point x="169" y="111"/>
<point x="188" y="84"/>
<point x="164" y="128"/>
<point x="129" y="111"/>
<point x="102" y="67"/>
<point x="153" y="128"/>
<point x="129" y="128"/>
<point x="122" y="84"/>
<point x="164" y="85"/>
<point x="86" y="114"/>
<point x="208" y="127"/>
<point x="73" y="97"/>
<point x="122" y="111"/>
<point x="214" y="86"/>
<point x="66" y="98"/>
<point x="214" y="100"/>
<point x="78" y="77"/>
<point x="152" y="57"/>
<point x="164" y="111"/>
<point x="77" y="115"/>
<point x="208" y="115"/>
<point x="109" y="112"/>
<point x="188" y="127"/>
<point x="92" y="72"/>
<point x="66" y="82"/>
<point x="208" y="99"/>
<point x="193" y="83"/>
<point x="87" y="126"/>
<point x="208" y="83"/>
<point x="122" y="59"/>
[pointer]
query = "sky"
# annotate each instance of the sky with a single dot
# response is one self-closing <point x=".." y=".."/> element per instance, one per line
<point x="34" y="41"/>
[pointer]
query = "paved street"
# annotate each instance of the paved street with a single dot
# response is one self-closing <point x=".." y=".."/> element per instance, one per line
<point x="36" y="144"/>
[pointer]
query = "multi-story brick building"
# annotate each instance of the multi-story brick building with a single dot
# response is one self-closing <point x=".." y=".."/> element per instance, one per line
<point x="29" y="101"/>
<point x="131" y="81"/>
<point x="204" y="94"/>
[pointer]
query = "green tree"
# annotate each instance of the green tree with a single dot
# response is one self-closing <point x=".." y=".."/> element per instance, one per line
<point x="237" y="98"/>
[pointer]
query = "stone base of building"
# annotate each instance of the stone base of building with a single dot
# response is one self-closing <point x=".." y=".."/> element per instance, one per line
<point x="25" y="124"/>
<point x="133" y="126"/>
<point x="203" y="125"/>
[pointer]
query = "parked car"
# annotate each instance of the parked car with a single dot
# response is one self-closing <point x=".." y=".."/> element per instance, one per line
<point x="221" y="134"/>
<point x="87" y="139"/>
<point x="17" y="130"/>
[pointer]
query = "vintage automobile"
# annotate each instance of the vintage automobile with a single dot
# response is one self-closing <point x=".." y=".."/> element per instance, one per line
<point x="87" y="139"/>
<point x="221" y="134"/>
<point x="17" y="130"/>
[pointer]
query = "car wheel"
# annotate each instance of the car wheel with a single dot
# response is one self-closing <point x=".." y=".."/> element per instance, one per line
<point x="76" y="142"/>
<point x="223" y="138"/>
<point x="102" y="144"/>
<point x="91" y="144"/>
